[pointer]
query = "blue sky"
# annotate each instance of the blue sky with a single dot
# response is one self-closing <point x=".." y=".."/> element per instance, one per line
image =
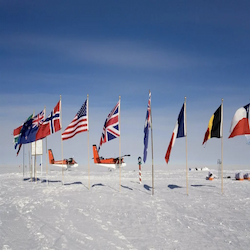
<point x="197" y="49"/>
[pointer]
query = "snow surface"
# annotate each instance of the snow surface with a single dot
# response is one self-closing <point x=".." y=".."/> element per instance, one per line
<point x="41" y="215"/>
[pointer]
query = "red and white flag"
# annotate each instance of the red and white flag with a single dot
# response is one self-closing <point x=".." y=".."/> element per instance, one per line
<point x="240" y="122"/>
<point x="52" y="124"/>
<point x="79" y="123"/>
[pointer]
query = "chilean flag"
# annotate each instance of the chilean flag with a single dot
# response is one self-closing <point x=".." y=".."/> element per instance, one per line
<point x="179" y="131"/>
<point x="240" y="122"/>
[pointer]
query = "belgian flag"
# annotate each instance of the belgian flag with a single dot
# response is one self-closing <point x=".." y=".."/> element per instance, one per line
<point x="214" y="126"/>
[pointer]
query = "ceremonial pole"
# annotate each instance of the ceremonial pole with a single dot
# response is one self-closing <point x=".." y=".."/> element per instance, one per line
<point x="120" y="141"/>
<point x="221" y="146"/>
<point x="47" y="167"/>
<point x="185" y="112"/>
<point x="35" y="162"/>
<point x="151" y="125"/>
<point x="31" y="165"/>
<point x="23" y="161"/>
<point x="88" y="139"/>
<point x="61" y="138"/>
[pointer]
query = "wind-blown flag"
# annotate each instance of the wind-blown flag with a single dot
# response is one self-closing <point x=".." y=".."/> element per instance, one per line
<point x="111" y="127"/>
<point x="30" y="128"/>
<point x="240" y="122"/>
<point x="79" y="123"/>
<point x="146" y="128"/>
<point x="179" y="131"/>
<point x="52" y="124"/>
<point x="214" y="126"/>
<point x="16" y="134"/>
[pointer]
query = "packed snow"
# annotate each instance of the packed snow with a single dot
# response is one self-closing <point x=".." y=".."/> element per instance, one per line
<point x="78" y="210"/>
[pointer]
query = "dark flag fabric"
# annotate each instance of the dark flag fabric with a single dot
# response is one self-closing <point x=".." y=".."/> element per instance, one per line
<point x="240" y="122"/>
<point x="179" y="131"/>
<point x="146" y="128"/>
<point x="111" y="127"/>
<point x="29" y="129"/>
<point x="17" y="132"/>
<point x="52" y="124"/>
<point x="79" y="123"/>
<point x="214" y="126"/>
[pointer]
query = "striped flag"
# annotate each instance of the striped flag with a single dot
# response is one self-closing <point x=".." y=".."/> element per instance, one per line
<point x="240" y="122"/>
<point x="179" y="131"/>
<point x="79" y="123"/>
<point x="214" y="126"/>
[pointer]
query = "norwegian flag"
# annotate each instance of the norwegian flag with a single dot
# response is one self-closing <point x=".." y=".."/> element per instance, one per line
<point x="111" y="128"/>
<point x="52" y="124"/>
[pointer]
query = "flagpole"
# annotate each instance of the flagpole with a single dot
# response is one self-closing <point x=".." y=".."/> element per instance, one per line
<point x="185" y="112"/>
<point x="34" y="162"/>
<point x="151" y="125"/>
<point x="61" y="138"/>
<point x="23" y="161"/>
<point x="222" y="145"/>
<point x="88" y="138"/>
<point x="120" y="142"/>
<point x="31" y="165"/>
<point x="47" y="167"/>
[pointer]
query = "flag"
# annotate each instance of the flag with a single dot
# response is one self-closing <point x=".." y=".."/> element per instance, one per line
<point x="17" y="132"/>
<point x="179" y="131"/>
<point x="214" y="126"/>
<point x="111" y="127"/>
<point x="240" y="122"/>
<point x="79" y="123"/>
<point x="30" y="127"/>
<point x="52" y="124"/>
<point x="146" y="128"/>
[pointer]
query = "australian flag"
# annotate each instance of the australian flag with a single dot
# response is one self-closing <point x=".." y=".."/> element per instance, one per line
<point x="111" y="127"/>
<point x="30" y="128"/>
<point x="146" y="128"/>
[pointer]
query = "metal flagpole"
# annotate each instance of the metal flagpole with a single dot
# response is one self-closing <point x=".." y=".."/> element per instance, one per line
<point x="35" y="162"/>
<point x="151" y="125"/>
<point x="47" y="162"/>
<point x="23" y="161"/>
<point x="88" y="138"/>
<point x="120" y="141"/>
<point x="29" y="160"/>
<point x="221" y="145"/>
<point x="31" y="165"/>
<point x="61" y="138"/>
<point x="185" y="113"/>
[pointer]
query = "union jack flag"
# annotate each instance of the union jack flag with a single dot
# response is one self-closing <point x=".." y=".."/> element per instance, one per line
<point x="111" y="127"/>
<point x="38" y="119"/>
<point x="52" y="124"/>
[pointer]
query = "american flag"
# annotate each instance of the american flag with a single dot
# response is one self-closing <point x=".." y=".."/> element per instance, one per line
<point x="111" y="128"/>
<point x="52" y="124"/>
<point x="146" y="128"/>
<point x="79" y="123"/>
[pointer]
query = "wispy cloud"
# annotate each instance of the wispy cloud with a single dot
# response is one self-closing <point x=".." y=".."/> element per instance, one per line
<point x="109" y="52"/>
